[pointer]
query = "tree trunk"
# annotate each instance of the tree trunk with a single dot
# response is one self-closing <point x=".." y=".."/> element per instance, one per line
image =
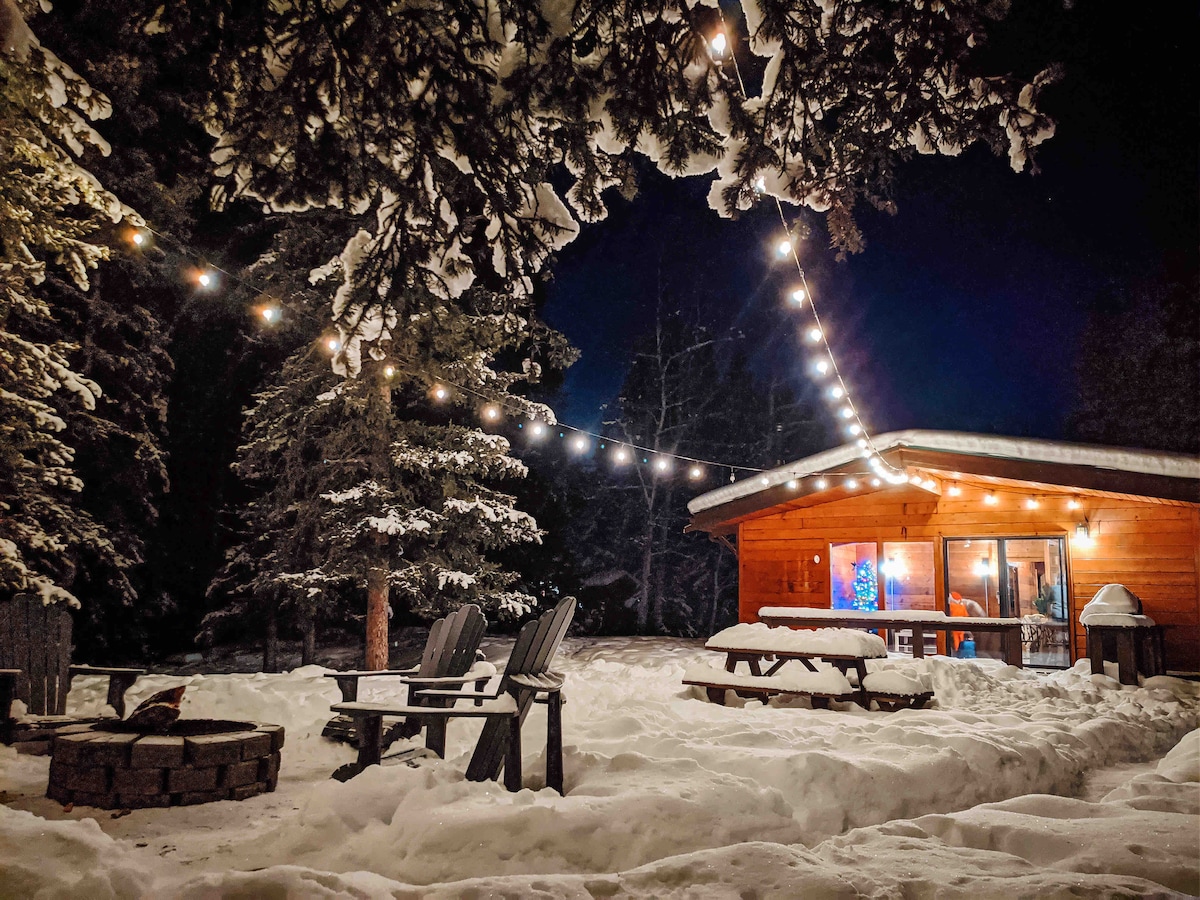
<point x="377" y="617"/>
<point x="271" y="644"/>
<point x="379" y="416"/>
<point x="308" y="649"/>
<point x="643" y="603"/>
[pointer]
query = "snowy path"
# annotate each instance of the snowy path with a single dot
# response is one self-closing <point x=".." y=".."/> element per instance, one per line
<point x="668" y="795"/>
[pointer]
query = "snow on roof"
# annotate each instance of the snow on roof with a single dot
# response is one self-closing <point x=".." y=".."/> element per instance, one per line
<point x="1147" y="462"/>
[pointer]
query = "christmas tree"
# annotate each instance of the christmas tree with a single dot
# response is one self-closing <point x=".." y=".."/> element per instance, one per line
<point x="866" y="587"/>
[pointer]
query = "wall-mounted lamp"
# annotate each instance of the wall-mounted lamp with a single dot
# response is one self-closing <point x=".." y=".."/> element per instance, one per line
<point x="1083" y="535"/>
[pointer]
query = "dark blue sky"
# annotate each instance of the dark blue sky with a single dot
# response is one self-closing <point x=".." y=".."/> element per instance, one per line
<point x="965" y="310"/>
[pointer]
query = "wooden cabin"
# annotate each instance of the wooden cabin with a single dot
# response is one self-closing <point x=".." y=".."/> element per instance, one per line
<point x="1023" y="528"/>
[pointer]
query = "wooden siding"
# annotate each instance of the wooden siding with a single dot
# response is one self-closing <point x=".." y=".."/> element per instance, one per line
<point x="1152" y="548"/>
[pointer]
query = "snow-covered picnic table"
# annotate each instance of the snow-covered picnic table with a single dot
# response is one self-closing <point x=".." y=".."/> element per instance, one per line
<point x="919" y="620"/>
<point x="842" y="648"/>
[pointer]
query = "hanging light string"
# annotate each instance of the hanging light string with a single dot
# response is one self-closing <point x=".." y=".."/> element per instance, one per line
<point x="493" y="409"/>
<point x="826" y="364"/>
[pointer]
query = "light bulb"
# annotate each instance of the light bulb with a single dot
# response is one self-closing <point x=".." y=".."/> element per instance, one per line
<point x="822" y="366"/>
<point x="820" y="484"/>
<point x="851" y="484"/>
<point x="333" y="344"/>
<point x="440" y="393"/>
<point x="206" y="279"/>
<point x="929" y="484"/>
<point x="1073" y="504"/>
<point x="663" y="464"/>
<point x="760" y="184"/>
<point x="718" y="43"/>
<point x="270" y="314"/>
<point x="538" y="429"/>
<point x="491" y="412"/>
<point x="875" y="482"/>
<point x="954" y="490"/>
<point x="695" y="472"/>
<point x="390" y="372"/>
<point x="914" y="479"/>
<point x="580" y="444"/>
<point x="784" y="247"/>
<point x="991" y="499"/>
<point x="622" y="455"/>
<point x="138" y="238"/>
<point x="1031" y="503"/>
<point x="846" y="412"/>
<point x="798" y="296"/>
<point x="854" y="429"/>
<point x="836" y="392"/>
<point x="764" y="481"/>
<point x="814" y="334"/>
<point x="862" y="442"/>
<point x="793" y="484"/>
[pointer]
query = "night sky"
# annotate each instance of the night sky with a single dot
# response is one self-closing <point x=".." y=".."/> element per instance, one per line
<point x="965" y="310"/>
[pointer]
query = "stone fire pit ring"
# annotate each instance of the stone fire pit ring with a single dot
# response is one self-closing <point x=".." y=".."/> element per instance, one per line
<point x="195" y="761"/>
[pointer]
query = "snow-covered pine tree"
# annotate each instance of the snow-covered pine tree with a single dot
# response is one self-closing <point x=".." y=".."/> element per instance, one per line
<point x="50" y="210"/>
<point x="377" y="483"/>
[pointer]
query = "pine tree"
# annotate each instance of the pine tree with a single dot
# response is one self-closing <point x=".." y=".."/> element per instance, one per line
<point x="51" y="209"/>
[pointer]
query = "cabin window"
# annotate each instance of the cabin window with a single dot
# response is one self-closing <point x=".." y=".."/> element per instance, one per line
<point x="907" y="570"/>
<point x="1018" y="577"/>
<point x="854" y="576"/>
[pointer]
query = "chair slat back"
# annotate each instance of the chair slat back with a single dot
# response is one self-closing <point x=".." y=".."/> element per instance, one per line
<point x="36" y="638"/>
<point x="538" y="641"/>
<point x="453" y="640"/>
<point x="460" y="652"/>
<point x="431" y="655"/>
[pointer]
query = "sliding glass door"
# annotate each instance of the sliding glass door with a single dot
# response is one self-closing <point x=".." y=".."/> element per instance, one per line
<point x="1011" y="578"/>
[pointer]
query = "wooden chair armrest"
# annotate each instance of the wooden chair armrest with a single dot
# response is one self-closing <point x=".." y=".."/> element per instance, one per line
<point x="457" y="695"/>
<point x="481" y="671"/>
<point x="354" y="673"/>
<point x="503" y="705"/>
<point x="103" y="670"/>
<point x="546" y="681"/>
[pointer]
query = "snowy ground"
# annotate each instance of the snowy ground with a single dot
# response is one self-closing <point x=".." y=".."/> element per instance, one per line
<point x="1016" y="784"/>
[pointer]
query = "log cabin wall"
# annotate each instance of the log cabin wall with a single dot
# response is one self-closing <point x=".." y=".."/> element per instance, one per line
<point x="1151" y="547"/>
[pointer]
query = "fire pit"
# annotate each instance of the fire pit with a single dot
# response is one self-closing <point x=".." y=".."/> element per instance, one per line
<point x="114" y="765"/>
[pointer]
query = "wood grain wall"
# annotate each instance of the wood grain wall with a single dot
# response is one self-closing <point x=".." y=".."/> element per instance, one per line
<point x="1152" y="548"/>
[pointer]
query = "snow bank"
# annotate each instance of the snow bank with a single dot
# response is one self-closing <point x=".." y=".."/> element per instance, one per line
<point x="667" y="796"/>
<point x="834" y="641"/>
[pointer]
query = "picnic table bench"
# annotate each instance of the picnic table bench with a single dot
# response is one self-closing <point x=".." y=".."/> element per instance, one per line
<point x="918" y="620"/>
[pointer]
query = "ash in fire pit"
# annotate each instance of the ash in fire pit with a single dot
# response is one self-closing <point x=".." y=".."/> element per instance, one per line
<point x="164" y="762"/>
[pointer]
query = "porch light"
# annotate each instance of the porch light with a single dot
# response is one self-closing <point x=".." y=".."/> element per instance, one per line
<point x="892" y="568"/>
<point x="1083" y="535"/>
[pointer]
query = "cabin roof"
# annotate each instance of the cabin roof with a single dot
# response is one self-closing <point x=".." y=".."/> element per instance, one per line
<point x="1086" y="467"/>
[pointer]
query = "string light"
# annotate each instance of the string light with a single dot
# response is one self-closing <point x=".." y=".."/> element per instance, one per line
<point x="663" y="464"/>
<point x="440" y="393"/>
<point x="538" y="429"/>
<point x="846" y="412"/>
<point x="333" y="345"/>
<point x="1031" y="503"/>
<point x="271" y="314"/>
<point x="206" y="278"/>
<point x="798" y="296"/>
<point x="491" y="412"/>
<point x="786" y="247"/>
<point x="820" y="484"/>
<point x="389" y="371"/>
<point x="718" y="43"/>
<point x="579" y="444"/>
<point x="875" y="482"/>
<point x="793" y="484"/>
<point x="991" y="499"/>
<point x="1073" y="504"/>
<point x="851" y="484"/>
<point x="695" y="473"/>
<point x="837" y="392"/>
<point x="954" y="490"/>
<point x="622" y="455"/>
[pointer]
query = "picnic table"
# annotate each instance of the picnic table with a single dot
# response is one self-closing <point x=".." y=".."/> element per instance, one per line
<point x="918" y="620"/>
<point x="843" y="650"/>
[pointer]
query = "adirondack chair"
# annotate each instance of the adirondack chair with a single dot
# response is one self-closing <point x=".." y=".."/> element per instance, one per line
<point x="526" y="678"/>
<point x="450" y="658"/>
